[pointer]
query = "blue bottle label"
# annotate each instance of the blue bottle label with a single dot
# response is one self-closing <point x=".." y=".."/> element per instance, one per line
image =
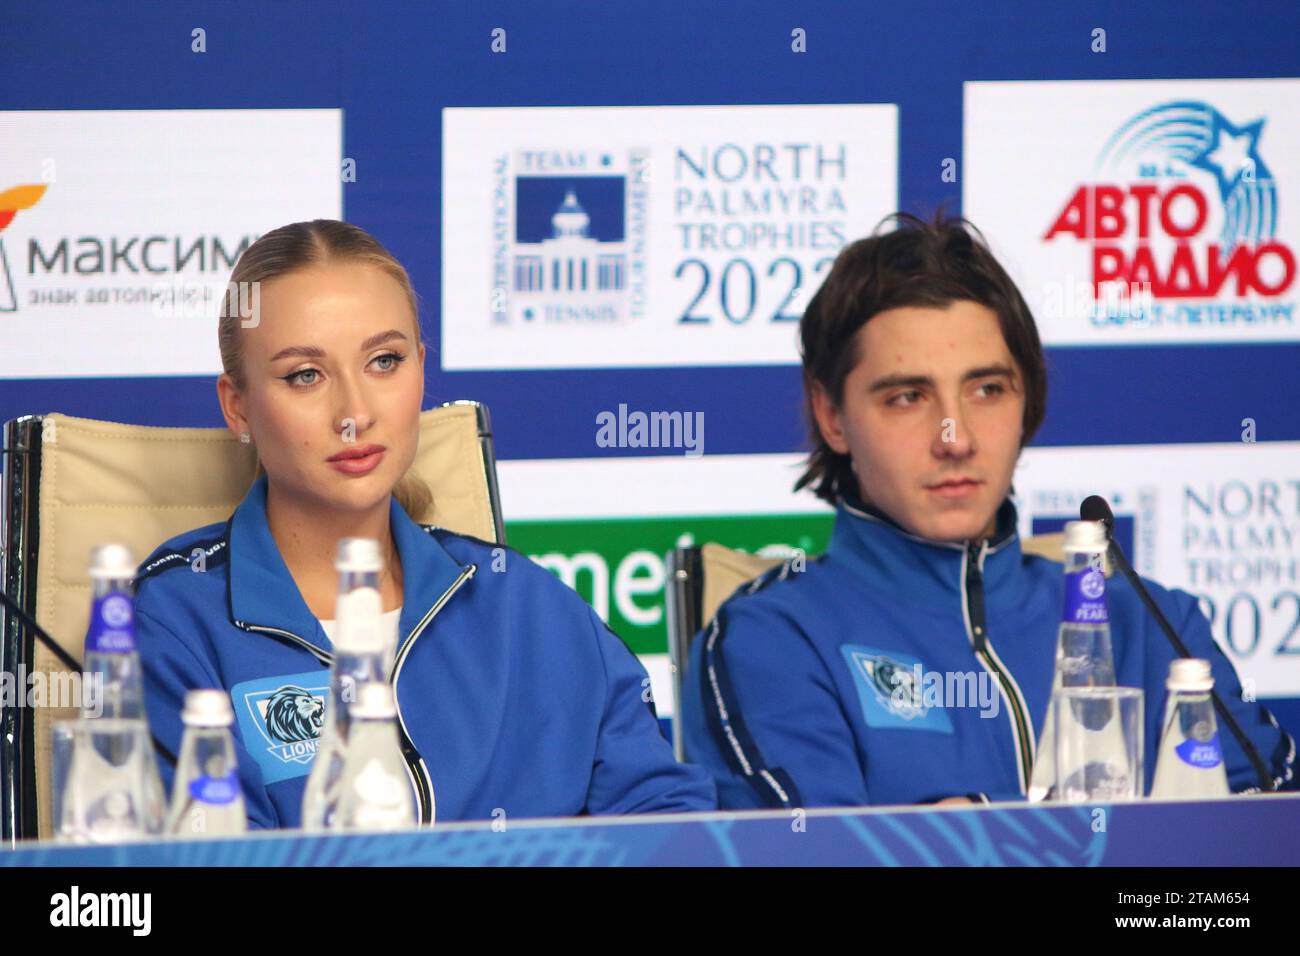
<point x="112" y="625"/>
<point x="215" y="790"/>
<point x="1202" y="754"/>
<point x="1085" y="597"/>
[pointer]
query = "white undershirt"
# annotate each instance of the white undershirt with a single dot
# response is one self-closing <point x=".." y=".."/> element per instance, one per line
<point x="390" y="620"/>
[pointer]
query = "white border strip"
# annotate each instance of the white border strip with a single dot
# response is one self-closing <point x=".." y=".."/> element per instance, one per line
<point x="654" y="486"/>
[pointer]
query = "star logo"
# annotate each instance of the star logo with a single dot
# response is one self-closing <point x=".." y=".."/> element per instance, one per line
<point x="1231" y="154"/>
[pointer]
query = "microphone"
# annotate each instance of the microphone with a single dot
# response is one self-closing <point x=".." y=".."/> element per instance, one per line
<point x="64" y="657"/>
<point x="1095" y="508"/>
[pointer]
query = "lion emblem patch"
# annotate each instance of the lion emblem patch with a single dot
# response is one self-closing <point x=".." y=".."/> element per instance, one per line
<point x="280" y="721"/>
<point x="293" y="714"/>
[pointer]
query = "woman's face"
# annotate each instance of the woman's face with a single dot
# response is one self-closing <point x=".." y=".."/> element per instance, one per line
<point x="332" y="366"/>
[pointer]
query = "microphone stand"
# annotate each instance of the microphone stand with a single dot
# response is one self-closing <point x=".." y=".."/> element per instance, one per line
<point x="1095" y="508"/>
<point x="64" y="657"/>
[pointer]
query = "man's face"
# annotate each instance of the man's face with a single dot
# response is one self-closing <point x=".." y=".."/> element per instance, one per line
<point x="931" y="417"/>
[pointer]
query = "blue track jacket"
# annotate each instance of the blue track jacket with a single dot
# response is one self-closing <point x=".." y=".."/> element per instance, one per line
<point x="790" y="692"/>
<point x="513" y="696"/>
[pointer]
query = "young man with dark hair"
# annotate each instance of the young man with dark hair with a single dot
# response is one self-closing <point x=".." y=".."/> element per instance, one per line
<point x="924" y="378"/>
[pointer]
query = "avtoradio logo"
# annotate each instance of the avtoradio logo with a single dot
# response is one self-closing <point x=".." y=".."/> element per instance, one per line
<point x="12" y="202"/>
<point x="1182" y="208"/>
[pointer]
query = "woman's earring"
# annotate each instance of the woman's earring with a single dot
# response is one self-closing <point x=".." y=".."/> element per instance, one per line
<point x="243" y="437"/>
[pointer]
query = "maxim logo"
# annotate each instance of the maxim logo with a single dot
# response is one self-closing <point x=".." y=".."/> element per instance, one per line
<point x="12" y="202"/>
<point x="158" y="255"/>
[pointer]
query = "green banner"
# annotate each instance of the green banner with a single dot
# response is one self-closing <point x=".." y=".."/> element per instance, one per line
<point x="618" y="564"/>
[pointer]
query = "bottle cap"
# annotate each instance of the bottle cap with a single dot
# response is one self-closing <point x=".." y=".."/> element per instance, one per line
<point x="1085" y="536"/>
<point x="1190" y="673"/>
<point x="207" y="708"/>
<point x="375" y="702"/>
<point x="358" y="555"/>
<point x="112" y="561"/>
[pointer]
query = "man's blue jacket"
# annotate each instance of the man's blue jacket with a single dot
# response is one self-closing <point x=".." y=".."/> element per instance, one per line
<point x="514" y="698"/>
<point x="803" y="690"/>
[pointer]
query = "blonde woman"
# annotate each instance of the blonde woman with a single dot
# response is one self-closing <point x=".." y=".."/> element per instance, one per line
<point x="514" y="697"/>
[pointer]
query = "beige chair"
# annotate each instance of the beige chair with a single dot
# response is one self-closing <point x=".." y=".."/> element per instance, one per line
<point x="701" y="578"/>
<point x="72" y="483"/>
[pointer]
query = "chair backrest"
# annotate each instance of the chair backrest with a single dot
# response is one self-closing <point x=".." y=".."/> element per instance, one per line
<point x="701" y="578"/>
<point x="1050" y="546"/>
<point x="72" y="483"/>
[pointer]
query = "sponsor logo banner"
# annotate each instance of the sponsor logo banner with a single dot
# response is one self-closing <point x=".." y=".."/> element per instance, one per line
<point x="618" y="565"/>
<point x="1139" y="212"/>
<point x="119" y="228"/>
<point x="1221" y="522"/>
<point x="586" y="237"/>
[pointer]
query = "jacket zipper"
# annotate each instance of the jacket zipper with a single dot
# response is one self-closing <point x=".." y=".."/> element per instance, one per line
<point x="325" y="657"/>
<point x="977" y="631"/>
<point x="416" y="770"/>
<point x="416" y="767"/>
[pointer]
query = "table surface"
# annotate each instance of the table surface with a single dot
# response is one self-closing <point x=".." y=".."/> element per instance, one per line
<point x="1257" y="830"/>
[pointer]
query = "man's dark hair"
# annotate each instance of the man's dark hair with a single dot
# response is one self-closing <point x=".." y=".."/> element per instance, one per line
<point x="925" y="264"/>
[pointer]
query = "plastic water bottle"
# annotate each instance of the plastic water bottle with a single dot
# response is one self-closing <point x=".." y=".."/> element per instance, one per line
<point x="363" y="653"/>
<point x="1083" y="650"/>
<point x="375" y="790"/>
<point x="113" y="661"/>
<point x="100" y="772"/>
<point x="206" y="798"/>
<point x="1190" y="761"/>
